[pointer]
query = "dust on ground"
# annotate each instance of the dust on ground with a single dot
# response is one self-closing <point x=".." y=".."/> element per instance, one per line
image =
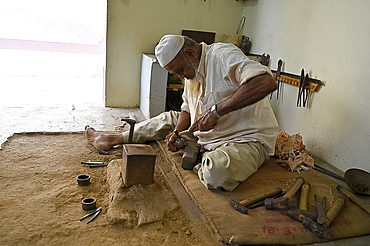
<point x="40" y="200"/>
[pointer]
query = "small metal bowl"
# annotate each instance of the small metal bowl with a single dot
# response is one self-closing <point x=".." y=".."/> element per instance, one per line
<point x="88" y="204"/>
<point x="83" y="180"/>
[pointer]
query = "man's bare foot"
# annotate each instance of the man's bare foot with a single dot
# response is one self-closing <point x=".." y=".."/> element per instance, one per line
<point x="102" y="141"/>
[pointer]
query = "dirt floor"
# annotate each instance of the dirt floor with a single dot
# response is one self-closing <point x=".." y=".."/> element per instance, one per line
<point x="40" y="200"/>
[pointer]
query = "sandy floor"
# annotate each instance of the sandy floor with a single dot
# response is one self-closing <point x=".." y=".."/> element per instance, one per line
<point x="40" y="201"/>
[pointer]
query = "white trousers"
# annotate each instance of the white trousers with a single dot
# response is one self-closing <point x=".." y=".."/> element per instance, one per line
<point x="223" y="168"/>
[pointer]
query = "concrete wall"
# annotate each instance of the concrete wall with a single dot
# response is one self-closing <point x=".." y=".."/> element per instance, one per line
<point x="135" y="26"/>
<point x="330" y="40"/>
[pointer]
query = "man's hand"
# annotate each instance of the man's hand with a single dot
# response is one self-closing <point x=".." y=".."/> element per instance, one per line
<point x="169" y="141"/>
<point x="205" y="122"/>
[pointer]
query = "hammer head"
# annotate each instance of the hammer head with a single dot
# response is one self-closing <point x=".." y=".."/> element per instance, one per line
<point x="129" y="121"/>
<point x="281" y="203"/>
<point x="238" y="207"/>
<point x="190" y="156"/>
<point x="179" y="143"/>
<point x="317" y="229"/>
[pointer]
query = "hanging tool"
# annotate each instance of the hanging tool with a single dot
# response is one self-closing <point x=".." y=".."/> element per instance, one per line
<point x="300" y="90"/>
<point x="277" y="78"/>
<point x="299" y="103"/>
<point x="321" y="210"/>
<point x="303" y="91"/>
<point x="280" y="63"/>
<point x="306" y="84"/>
<point x="241" y="25"/>
<point x="94" y="214"/>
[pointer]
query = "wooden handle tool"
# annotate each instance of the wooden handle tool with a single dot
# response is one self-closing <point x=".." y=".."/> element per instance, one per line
<point x="257" y="198"/>
<point x="353" y="198"/>
<point x="296" y="186"/>
<point x="335" y="210"/>
<point x="304" y="196"/>
<point x="241" y="206"/>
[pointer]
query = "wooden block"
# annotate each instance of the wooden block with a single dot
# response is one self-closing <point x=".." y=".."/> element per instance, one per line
<point x="137" y="164"/>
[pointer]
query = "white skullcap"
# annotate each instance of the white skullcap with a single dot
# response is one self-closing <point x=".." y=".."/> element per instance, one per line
<point x="168" y="47"/>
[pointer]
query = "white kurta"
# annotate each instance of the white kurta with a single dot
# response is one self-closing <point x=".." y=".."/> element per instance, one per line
<point x="222" y="70"/>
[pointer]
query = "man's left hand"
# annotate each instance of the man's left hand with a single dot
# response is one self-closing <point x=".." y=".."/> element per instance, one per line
<point x="205" y="122"/>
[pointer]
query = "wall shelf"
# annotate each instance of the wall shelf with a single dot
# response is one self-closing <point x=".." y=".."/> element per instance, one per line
<point x="292" y="79"/>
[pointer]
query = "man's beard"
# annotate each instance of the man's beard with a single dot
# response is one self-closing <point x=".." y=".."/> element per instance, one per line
<point x="195" y="66"/>
<point x="193" y="84"/>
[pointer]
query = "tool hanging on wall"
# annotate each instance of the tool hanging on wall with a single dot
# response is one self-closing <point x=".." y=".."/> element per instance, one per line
<point x="305" y="84"/>
<point x="303" y="90"/>
<point x="277" y="78"/>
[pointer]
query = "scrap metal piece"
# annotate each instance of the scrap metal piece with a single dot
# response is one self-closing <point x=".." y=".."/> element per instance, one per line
<point x="92" y="162"/>
<point x="102" y="152"/>
<point x="94" y="216"/>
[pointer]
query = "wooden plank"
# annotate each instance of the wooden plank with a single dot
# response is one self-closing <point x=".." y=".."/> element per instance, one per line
<point x="194" y="214"/>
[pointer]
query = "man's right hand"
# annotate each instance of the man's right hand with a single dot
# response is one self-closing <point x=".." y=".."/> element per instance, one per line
<point x="169" y="141"/>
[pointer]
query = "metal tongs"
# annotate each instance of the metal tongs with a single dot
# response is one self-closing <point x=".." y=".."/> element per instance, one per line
<point x="94" y="213"/>
<point x="321" y="210"/>
<point x="277" y="78"/>
<point x="303" y="91"/>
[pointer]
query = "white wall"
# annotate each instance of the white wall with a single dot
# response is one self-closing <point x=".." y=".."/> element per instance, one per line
<point x="135" y="26"/>
<point x="329" y="39"/>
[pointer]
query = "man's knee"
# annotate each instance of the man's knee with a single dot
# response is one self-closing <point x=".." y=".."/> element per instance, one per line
<point x="227" y="166"/>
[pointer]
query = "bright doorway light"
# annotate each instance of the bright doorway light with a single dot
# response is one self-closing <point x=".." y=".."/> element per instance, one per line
<point x="52" y="52"/>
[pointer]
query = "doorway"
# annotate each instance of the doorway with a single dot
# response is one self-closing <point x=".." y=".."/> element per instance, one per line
<point x="52" y="53"/>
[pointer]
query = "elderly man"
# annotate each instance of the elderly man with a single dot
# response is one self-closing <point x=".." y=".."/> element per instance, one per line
<point x="224" y="104"/>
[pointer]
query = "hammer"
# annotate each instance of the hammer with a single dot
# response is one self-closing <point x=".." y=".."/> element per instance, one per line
<point x="287" y="201"/>
<point x="132" y="123"/>
<point x="191" y="150"/>
<point x="335" y="210"/>
<point x="317" y="229"/>
<point x="301" y="213"/>
<point x="241" y="206"/>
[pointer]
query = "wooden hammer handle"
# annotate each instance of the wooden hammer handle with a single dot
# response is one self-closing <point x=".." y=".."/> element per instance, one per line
<point x="334" y="210"/>
<point x="304" y="196"/>
<point x="259" y="197"/>
<point x="296" y="186"/>
<point x="353" y="198"/>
